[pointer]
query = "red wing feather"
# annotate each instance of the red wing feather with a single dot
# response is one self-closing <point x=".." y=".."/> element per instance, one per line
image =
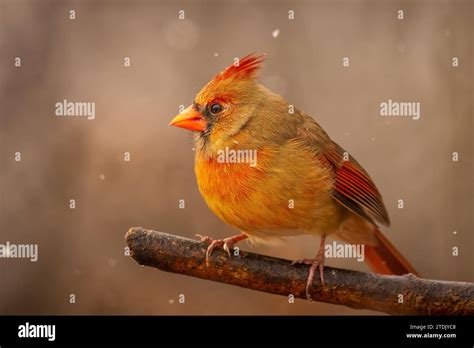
<point x="354" y="188"/>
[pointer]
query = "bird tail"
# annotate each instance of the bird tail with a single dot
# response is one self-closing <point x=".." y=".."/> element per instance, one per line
<point x="384" y="258"/>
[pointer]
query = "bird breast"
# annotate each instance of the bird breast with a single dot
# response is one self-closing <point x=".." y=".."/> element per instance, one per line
<point x="287" y="192"/>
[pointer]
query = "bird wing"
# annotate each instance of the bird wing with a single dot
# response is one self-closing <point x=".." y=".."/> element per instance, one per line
<point x="353" y="188"/>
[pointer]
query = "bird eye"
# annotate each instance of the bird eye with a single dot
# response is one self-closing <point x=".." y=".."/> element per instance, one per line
<point x="215" y="108"/>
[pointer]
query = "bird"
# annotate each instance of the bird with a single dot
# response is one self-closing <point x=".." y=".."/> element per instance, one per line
<point x="301" y="183"/>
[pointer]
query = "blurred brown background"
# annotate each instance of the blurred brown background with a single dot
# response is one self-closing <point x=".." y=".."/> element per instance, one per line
<point x="81" y="251"/>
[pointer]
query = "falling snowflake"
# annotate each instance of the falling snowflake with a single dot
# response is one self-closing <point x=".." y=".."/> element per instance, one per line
<point x="275" y="33"/>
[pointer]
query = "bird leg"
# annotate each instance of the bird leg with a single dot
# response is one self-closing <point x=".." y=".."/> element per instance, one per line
<point x="227" y="244"/>
<point x="316" y="263"/>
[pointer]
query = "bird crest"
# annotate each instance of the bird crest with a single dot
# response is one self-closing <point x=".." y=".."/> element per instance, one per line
<point x="243" y="68"/>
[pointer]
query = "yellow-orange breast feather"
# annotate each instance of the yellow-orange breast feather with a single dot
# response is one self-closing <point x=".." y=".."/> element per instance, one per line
<point x="285" y="194"/>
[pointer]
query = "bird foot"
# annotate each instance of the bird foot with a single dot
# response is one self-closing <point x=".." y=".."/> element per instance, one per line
<point x="316" y="263"/>
<point x="227" y="244"/>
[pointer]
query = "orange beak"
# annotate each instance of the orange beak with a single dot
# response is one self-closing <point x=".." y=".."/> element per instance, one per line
<point x="190" y="119"/>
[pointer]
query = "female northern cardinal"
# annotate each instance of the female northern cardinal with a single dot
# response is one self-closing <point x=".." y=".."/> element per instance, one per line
<point x="302" y="183"/>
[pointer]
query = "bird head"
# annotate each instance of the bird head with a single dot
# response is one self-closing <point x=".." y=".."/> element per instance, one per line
<point x="225" y="104"/>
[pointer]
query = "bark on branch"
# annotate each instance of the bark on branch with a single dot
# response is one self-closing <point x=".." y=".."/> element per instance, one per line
<point x="278" y="276"/>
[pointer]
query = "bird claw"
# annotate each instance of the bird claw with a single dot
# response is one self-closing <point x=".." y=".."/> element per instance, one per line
<point x="316" y="263"/>
<point x="227" y="244"/>
<point x="303" y="262"/>
<point x="227" y="248"/>
<point x="204" y="239"/>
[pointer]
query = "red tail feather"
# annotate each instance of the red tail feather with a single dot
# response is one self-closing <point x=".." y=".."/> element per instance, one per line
<point x="384" y="258"/>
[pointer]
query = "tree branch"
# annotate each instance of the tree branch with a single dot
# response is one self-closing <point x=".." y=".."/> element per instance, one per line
<point x="278" y="276"/>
